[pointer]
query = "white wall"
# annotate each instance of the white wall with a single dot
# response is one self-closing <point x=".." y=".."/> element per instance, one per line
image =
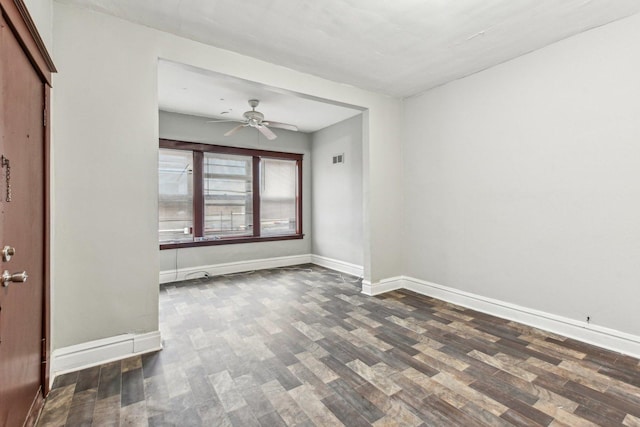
<point x="105" y="148"/>
<point x="195" y="129"/>
<point x="105" y="175"/>
<point x="41" y="11"/>
<point x="522" y="182"/>
<point x="337" y="192"/>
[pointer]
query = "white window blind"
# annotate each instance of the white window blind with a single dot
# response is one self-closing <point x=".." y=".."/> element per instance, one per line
<point x="278" y="204"/>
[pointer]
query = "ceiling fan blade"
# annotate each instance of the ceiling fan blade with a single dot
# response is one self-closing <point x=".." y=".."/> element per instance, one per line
<point x="282" y="126"/>
<point x="234" y="130"/>
<point x="266" y="132"/>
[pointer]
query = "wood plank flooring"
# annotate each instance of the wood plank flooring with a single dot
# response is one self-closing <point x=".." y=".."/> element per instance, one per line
<point x="303" y="347"/>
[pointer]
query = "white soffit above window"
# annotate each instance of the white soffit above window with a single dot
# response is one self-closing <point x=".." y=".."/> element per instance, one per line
<point x="195" y="91"/>
<point x="399" y="47"/>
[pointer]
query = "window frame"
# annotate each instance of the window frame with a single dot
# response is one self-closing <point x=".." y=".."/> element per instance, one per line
<point x="198" y="150"/>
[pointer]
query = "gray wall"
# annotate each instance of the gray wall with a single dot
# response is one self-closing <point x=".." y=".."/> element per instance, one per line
<point x="522" y="182"/>
<point x="196" y="129"/>
<point x="336" y="192"/>
<point x="41" y="12"/>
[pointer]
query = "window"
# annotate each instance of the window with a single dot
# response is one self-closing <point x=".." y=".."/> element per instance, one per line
<point x="278" y="196"/>
<point x="228" y="195"/>
<point x="176" y="195"/>
<point x="211" y="195"/>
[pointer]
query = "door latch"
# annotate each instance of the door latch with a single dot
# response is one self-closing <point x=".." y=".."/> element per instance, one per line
<point x="13" y="278"/>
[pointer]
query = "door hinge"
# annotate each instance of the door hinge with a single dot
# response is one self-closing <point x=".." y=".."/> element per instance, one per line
<point x="44" y="110"/>
<point x="44" y="350"/>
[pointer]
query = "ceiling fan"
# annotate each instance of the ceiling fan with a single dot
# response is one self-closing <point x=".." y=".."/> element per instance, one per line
<point x="255" y="119"/>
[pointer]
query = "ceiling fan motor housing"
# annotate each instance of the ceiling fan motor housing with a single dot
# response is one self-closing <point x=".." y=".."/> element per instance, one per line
<point x="254" y="118"/>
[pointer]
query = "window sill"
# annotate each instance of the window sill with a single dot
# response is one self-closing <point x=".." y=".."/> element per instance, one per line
<point x="229" y="241"/>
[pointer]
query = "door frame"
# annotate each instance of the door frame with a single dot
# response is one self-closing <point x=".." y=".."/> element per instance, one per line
<point x="17" y="16"/>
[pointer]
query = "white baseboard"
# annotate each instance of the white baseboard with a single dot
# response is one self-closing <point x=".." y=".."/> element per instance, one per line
<point x="337" y="265"/>
<point x="385" y="285"/>
<point x="610" y="339"/>
<point x="232" y="267"/>
<point x="92" y="353"/>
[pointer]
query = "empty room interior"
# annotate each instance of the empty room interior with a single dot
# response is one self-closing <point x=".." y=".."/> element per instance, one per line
<point x="297" y="213"/>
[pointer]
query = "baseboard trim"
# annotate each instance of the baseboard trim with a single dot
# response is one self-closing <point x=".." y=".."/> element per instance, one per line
<point x="385" y="285"/>
<point x="610" y="339"/>
<point x="92" y="353"/>
<point x="232" y="267"/>
<point x="337" y="265"/>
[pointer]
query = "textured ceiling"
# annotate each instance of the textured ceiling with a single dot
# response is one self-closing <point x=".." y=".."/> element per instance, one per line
<point x="399" y="47"/>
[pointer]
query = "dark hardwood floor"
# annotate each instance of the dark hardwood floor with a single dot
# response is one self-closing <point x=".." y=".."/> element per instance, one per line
<point x="303" y="347"/>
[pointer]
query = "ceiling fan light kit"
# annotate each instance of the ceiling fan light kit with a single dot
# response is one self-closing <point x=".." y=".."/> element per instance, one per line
<point x="255" y="119"/>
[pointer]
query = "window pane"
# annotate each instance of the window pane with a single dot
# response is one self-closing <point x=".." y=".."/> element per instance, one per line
<point x="278" y="208"/>
<point x="175" y="195"/>
<point x="228" y="195"/>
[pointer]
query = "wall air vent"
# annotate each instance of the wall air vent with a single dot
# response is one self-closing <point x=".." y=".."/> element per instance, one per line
<point x="338" y="158"/>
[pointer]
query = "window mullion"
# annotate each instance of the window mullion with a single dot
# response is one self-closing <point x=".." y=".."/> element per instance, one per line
<point x="257" y="182"/>
<point x="198" y="195"/>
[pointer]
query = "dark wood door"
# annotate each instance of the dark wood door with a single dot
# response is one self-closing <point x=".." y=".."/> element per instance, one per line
<point x="22" y="227"/>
